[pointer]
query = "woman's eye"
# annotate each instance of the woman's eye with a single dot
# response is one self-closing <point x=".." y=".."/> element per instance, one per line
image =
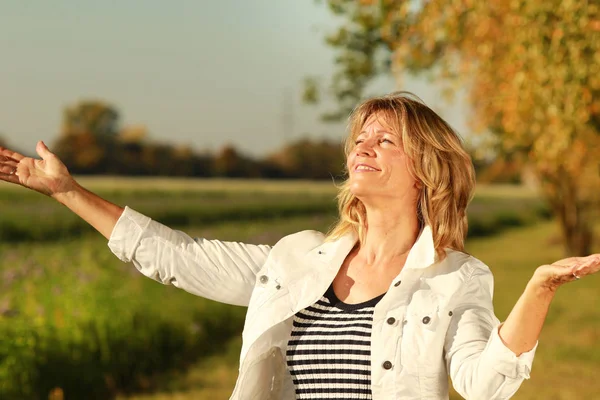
<point x="384" y="140"/>
<point x="359" y="141"/>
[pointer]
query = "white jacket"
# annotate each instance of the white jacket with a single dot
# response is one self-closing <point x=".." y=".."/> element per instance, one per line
<point x="436" y="318"/>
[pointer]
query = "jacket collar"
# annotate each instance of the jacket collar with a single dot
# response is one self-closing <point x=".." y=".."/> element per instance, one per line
<point x="334" y="252"/>
<point x="421" y="255"/>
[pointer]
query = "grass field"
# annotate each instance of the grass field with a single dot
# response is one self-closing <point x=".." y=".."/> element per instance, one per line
<point x="83" y="312"/>
<point x="168" y="185"/>
<point x="107" y="184"/>
<point x="187" y="203"/>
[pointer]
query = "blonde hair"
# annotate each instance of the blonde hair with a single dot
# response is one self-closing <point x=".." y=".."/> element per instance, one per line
<point x="440" y="164"/>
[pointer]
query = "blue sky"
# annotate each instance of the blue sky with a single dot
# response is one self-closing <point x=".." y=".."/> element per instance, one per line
<point x="197" y="72"/>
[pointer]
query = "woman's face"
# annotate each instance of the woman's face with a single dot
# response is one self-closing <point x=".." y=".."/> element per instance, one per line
<point x="377" y="165"/>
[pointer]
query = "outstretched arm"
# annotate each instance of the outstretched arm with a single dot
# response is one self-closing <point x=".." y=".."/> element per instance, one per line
<point x="221" y="271"/>
<point x="51" y="177"/>
<point x="522" y="328"/>
<point x="489" y="360"/>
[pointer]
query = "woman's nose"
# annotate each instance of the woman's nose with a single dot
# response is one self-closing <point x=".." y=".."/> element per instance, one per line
<point x="364" y="148"/>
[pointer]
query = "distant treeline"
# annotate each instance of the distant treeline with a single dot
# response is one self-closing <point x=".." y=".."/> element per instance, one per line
<point x="304" y="159"/>
<point x="92" y="142"/>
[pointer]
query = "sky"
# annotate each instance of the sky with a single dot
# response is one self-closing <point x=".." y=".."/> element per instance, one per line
<point x="194" y="72"/>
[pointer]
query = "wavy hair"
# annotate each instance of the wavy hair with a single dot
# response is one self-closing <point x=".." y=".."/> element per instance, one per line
<point x="440" y="164"/>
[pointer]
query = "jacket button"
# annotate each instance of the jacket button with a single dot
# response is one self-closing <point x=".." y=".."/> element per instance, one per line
<point x="263" y="279"/>
<point x="450" y="313"/>
<point x="387" y="365"/>
<point x="426" y="320"/>
<point x="391" y="320"/>
<point x="397" y="283"/>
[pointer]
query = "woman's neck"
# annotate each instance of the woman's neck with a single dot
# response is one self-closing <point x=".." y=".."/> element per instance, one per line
<point x="390" y="235"/>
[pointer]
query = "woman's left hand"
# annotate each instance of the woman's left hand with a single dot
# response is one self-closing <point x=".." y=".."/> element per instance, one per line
<point x="552" y="276"/>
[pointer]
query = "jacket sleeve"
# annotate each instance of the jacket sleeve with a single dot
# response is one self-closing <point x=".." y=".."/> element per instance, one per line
<point x="216" y="270"/>
<point x="481" y="366"/>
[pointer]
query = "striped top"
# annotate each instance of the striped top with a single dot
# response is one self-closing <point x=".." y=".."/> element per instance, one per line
<point x="329" y="352"/>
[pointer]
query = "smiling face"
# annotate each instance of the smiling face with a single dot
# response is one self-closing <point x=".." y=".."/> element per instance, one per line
<point x="378" y="166"/>
<point x="409" y="160"/>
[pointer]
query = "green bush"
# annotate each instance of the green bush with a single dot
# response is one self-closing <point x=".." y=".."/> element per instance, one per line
<point x="74" y="317"/>
<point x="18" y="372"/>
<point x="101" y="358"/>
<point x="491" y="216"/>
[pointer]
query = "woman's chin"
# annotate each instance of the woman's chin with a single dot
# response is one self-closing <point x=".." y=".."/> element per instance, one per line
<point x="361" y="189"/>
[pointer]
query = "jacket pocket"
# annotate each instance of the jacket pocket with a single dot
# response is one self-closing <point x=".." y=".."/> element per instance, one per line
<point x="423" y="333"/>
<point x="269" y="306"/>
<point x="266" y="289"/>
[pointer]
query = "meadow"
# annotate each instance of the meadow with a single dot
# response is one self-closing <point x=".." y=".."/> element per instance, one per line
<point x="75" y="322"/>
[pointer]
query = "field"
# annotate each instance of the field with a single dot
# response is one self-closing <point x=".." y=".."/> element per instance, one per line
<point x="75" y="320"/>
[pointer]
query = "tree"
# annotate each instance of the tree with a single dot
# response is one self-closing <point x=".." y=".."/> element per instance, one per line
<point x="229" y="163"/>
<point x="531" y="68"/>
<point x="83" y="153"/>
<point x="88" y="143"/>
<point x="309" y="159"/>
<point x="91" y="116"/>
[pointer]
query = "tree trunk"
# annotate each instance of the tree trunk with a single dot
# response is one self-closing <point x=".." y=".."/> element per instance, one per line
<point x="577" y="238"/>
<point x="570" y="210"/>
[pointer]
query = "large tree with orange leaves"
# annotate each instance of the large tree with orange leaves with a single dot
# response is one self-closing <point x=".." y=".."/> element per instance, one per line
<point x="531" y="68"/>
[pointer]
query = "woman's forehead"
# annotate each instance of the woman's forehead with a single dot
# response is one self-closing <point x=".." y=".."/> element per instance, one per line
<point x="384" y="119"/>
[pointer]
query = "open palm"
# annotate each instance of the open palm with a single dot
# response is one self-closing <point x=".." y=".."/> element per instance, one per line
<point x="567" y="270"/>
<point x="48" y="175"/>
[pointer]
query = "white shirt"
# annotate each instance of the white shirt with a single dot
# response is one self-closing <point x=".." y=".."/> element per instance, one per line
<point x="435" y="320"/>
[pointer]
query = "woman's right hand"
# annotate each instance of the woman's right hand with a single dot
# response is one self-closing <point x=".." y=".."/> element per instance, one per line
<point x="48" y="175"/>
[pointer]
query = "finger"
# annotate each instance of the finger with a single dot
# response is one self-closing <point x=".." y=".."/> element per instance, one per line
<point x="592" y="258"/>
<point x="569" y="262"/>
<point x="588" y="267"/>
<point x="12" y="178"/>
<point x="8" y="160"/>
<point x="11" y="154"/>
<point x="587" y="261"/>
<point x="43" y="150"/>
<point x="8" y="168"/>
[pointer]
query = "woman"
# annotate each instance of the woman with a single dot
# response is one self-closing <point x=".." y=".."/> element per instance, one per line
<point x="384" y="307"/>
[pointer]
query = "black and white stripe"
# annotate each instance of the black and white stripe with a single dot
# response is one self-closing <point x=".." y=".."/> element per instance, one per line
<point x="329" y="352"/>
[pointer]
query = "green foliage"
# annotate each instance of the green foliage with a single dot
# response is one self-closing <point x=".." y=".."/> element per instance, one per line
<point x="491" y="215"/>
<point x="18" y="372"/>
<point x="75" y="318"/>
<point x="362" y="54"/>
<point x="181" y="208"/>
<point x="487" y="215"/>
<point x="105" y="356"/>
